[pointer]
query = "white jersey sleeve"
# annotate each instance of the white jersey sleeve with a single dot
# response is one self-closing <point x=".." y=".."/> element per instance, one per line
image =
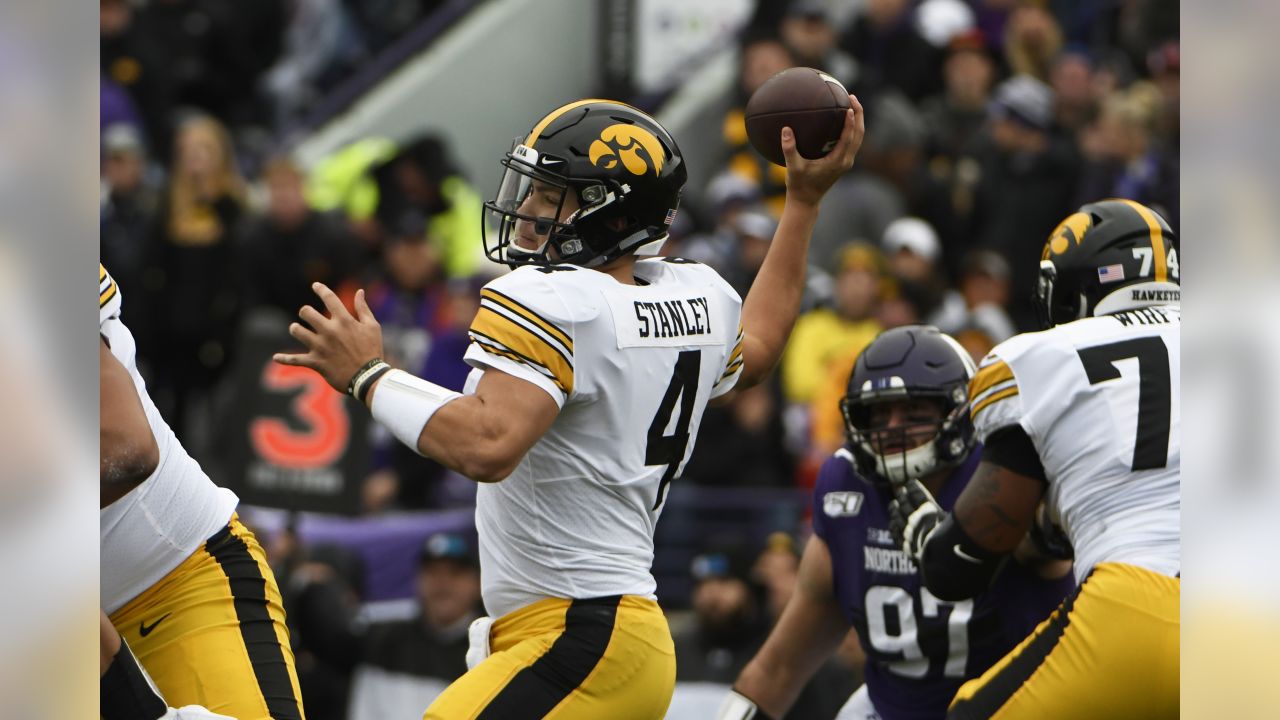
<point x="158" y="524"/>
<point x="1100" y="400"/>
<point x="524" y="328"/>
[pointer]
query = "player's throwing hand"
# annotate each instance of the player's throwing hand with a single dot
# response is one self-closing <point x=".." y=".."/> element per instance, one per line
<point x="337" y="345"/>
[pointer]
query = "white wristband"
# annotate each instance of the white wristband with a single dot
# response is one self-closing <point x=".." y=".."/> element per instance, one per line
<point x="404" y="403"/>
<point x="737" y="706"/>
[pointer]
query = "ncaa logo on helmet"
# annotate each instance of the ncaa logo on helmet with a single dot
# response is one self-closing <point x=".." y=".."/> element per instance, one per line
<point x="1069" y="232"/>
<point x="624" y="143"/>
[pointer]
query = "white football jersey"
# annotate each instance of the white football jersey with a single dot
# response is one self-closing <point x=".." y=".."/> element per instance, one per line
<point x="632" y="368"/>
<point x="151" y="530"/>
<point x="1099" y="398"/>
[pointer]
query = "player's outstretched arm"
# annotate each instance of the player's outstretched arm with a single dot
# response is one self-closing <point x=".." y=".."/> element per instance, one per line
<point x="810" y="629"/>
<point x="128" y="452"/>
<point x="482" y="436"/>
<point x="771" y="306"/>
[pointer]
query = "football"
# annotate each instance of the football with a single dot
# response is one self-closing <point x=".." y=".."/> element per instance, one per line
<point x="809" y="101"/>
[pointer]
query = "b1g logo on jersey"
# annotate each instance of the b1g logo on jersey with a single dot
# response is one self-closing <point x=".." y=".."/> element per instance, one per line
<point x="624" y="143"/>
<point x="842" y="504"/>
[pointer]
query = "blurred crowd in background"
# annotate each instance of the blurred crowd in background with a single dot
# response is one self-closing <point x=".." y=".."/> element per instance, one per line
<point x="988" y="122"/>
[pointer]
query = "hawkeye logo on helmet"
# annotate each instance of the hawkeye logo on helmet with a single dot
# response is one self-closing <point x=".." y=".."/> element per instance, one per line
<point x="635" y="148"/>
<point x="1069" y="232"/>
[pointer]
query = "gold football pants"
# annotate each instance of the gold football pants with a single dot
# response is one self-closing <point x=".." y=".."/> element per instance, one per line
<point x="1110" y="650"/>
<point x="570" y="660"/>
<point x="212" y="632"/>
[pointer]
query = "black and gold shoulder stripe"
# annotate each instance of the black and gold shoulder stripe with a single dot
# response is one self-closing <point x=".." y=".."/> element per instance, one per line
<point x="992" y="383"/>
<point x="106" y="287"/>
<point x="735" y="358"/>
<point x="510" y="329"/>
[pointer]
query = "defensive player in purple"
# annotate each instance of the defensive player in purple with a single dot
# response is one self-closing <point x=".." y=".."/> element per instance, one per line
<point x="906" y="416"/>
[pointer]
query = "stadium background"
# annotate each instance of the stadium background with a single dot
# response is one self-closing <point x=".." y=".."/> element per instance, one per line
<point x="250" y="148"/>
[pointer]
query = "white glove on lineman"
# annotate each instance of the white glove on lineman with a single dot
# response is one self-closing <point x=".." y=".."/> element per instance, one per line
<point x="478" y="641"/>
<point x="737" y="706"/>
<point x="913" y="514"/>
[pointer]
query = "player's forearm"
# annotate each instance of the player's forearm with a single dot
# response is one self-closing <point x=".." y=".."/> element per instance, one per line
<point x="467" y="437"/>
<point x="461" y="432"/>
<point x="772" y="304"/>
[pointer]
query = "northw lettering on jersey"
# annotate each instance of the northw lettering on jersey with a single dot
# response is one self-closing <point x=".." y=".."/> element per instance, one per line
<point x="885" y="560"/>
<point x="673" y="318"/>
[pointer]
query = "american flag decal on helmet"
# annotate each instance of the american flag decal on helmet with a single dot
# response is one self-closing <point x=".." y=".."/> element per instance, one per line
<point x="1110" y="273"/>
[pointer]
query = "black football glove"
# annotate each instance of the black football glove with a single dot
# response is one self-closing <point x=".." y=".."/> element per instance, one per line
<point x="913" y="514"/>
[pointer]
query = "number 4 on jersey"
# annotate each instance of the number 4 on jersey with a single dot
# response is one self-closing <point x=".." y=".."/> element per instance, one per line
<point x="663" y="449"/>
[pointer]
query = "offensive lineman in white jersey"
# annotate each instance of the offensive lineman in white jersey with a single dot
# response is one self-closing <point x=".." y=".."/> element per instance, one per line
<point x="184" y="583"/>
<point x="1084" y="415"/>
<point x="592" y="370"/>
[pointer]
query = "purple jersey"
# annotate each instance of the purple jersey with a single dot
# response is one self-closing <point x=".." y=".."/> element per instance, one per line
<point x="919" y="649"/>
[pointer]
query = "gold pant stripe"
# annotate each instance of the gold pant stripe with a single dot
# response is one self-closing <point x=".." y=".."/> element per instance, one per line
<point x="212" y="632"/>
<point x="1111" y="650"/>
<point x="570" y="660"/>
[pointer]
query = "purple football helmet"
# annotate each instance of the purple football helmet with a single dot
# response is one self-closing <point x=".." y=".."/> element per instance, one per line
<point x="909" y="363"/>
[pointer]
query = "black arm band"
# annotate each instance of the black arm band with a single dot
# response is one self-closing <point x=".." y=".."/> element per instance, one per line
<point x="953" y="566"/>
<point x="1011" y="448"/>
<point x="124" y="693"/>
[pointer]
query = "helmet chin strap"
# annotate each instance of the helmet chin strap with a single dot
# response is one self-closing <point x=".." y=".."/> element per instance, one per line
<point x="911" y="464"/>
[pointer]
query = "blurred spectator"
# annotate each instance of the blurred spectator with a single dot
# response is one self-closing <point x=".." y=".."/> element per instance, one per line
<point x="291" y="246"/>
<point x="978" y="305"/>
<point x="730" y="623"/>
<point x="912" y="250"/>
<point x="1026" y="184"/>
<point x="956" y="116"/>
<point x="895" y="152"/>
<point x="1032" y="39"/>
<point x="941" y="21"/>
<point x="1074" y="101"/>
<point x="422" y="179"/>
<point x="343" y="181"/>
<point x="424" y="331"/>
<point x="322" y="595"/>
<point x="891" y="52"/>
<point x="190" y="283"/>
<point x="727" y="196"/>
<point x="1165" y="64"/>
<point x="319" y="43"/>
<point x="406" y="664"/>
<point x="827" y="335"/>
<point x="129" y="206"/>
<point x="807" y="31"/>
<point x="214" y="51"/>
<point x="740" y="444"/>
<point x="129" y="61"/>
<point x="776" y="569"/>
<point x="383" y="21"/>
<point x="1127" y="161"/>
<point x="761" y="58"/>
